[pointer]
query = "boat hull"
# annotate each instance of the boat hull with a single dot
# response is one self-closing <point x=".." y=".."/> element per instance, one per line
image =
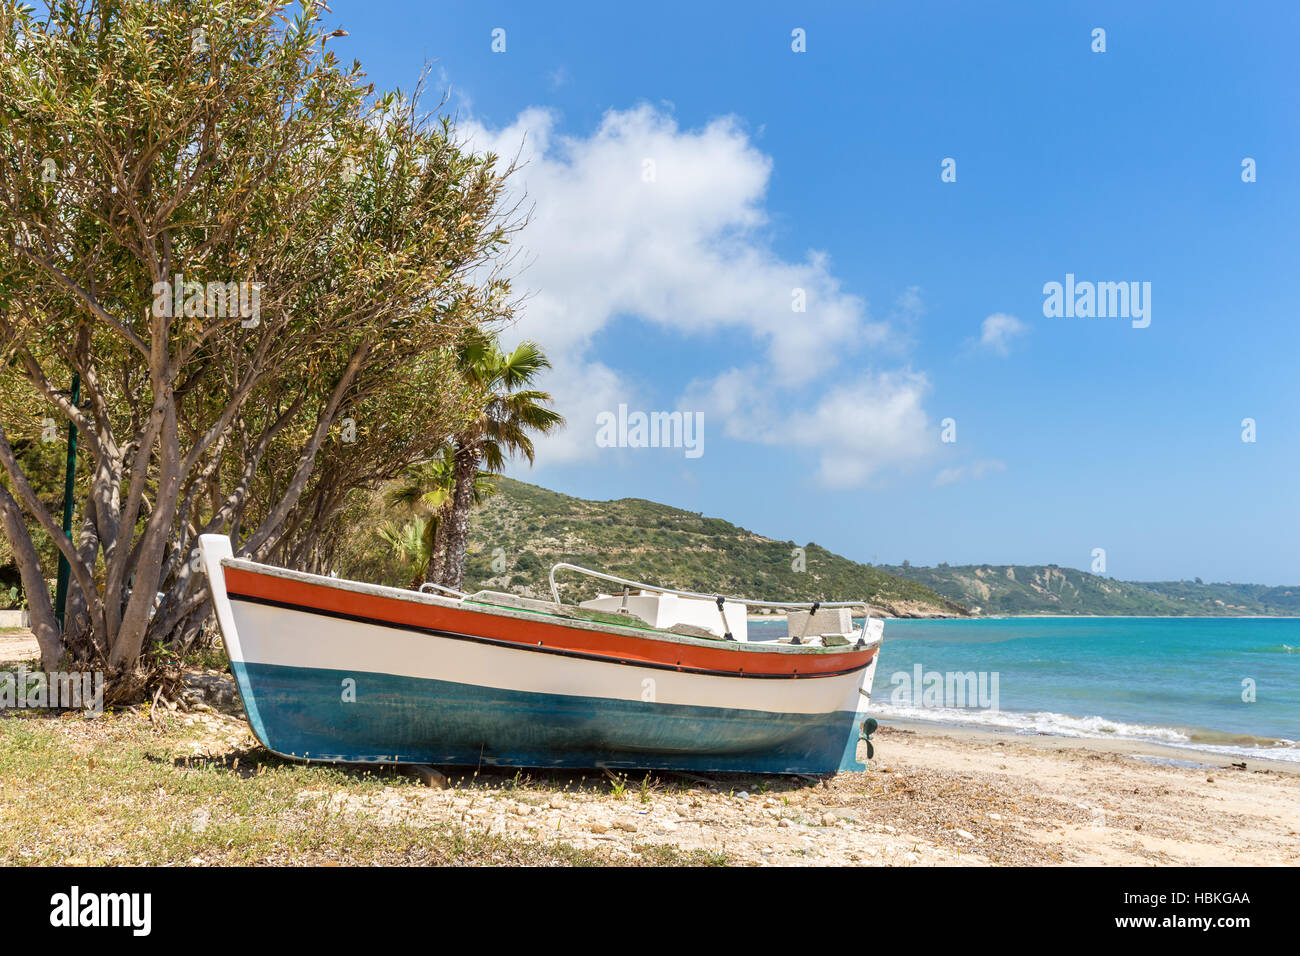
<point x="417" y="720"/>
<point x="372" y="675"/>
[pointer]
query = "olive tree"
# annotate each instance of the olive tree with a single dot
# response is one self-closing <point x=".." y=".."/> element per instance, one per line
<point x="257" y="266"/>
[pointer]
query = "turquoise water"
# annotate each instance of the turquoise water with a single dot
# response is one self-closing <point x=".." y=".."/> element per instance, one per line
<point x="1176" y="681"/>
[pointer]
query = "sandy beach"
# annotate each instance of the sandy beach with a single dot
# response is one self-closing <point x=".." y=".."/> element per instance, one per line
<point x="928" y="799"/>
<point x="932" y="796"/>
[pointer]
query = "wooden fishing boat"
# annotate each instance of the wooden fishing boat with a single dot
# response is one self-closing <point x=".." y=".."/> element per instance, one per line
<point x="648" y="678"/>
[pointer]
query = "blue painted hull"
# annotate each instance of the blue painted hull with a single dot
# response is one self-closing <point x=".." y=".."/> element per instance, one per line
<point x="300" y="712"/>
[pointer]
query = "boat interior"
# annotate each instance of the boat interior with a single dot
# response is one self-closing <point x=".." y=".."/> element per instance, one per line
<point x="691" y="614"/>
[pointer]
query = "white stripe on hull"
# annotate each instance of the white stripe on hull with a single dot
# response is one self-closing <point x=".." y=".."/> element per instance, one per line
<point x="282" y="636"/>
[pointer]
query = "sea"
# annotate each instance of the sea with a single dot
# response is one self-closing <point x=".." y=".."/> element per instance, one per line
<point x="1228" y="686"/>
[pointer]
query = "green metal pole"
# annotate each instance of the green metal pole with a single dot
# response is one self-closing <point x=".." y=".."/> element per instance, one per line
<point x="69" y="487"/>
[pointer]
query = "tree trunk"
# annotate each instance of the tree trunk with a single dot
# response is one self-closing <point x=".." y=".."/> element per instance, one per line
<point x="467" y="459"/>
<point x="44" y="626"/>
<point x="124" y="654"/>
<point x="438" y="552"/>
<point x="78" y="628"/>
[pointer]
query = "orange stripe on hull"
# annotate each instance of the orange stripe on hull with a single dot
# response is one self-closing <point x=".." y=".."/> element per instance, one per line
<point x="734" y="658"/>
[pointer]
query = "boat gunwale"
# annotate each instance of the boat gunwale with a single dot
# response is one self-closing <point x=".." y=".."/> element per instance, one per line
<point x="645" y="633"/>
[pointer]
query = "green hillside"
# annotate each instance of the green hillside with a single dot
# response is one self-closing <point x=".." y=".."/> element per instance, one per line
<point x="1047" y="589"/>
<point x="527" y="529"/>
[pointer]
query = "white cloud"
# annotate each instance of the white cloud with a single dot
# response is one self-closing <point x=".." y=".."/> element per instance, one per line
<point x="855" y="430"/>
<point x="997" y="331"/>
<point x="969" y="472"/>
<point x="688" y="252"/>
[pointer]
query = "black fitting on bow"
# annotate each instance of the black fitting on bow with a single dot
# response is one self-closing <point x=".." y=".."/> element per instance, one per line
<point x="726" y="627"/>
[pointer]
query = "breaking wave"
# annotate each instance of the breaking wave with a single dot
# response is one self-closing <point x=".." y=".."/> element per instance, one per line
<point x="1100" y="728"/>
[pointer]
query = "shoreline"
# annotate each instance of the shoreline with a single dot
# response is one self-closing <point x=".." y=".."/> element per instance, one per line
<point x="1188" y="754"/>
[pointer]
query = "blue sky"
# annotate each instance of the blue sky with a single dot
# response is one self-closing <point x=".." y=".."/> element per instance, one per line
<point x="775" y="170"/>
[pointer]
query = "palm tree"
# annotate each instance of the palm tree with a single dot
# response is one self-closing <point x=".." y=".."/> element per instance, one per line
<point x="410" y="545"/>
<point x="425" y="492"/>
<point x="508" y="415"/>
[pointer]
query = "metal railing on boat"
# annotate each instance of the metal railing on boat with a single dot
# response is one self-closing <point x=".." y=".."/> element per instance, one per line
<point x="444" y="589"/>
<point x="811" y="606"/>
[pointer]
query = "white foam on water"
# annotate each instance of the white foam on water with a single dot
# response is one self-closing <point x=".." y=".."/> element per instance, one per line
<point x="1284" y="751"/>
<point x="1065" y="725"/>
<point x="1035" y="722"/>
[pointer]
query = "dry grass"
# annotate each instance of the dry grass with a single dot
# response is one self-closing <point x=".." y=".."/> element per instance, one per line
<point x="125" y="790"/>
